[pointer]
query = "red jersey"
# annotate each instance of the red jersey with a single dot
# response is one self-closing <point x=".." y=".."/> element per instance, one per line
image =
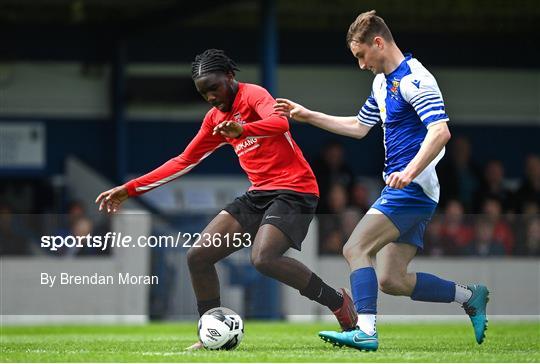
<point x="266" y="150"/>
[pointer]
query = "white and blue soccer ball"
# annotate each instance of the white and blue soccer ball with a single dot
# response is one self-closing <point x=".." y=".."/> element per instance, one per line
<point x="220" y="329"/>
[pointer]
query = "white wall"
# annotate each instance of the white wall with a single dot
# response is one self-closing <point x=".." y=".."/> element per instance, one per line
<point x="53" y="89"/>
<point x="24" y="299"/>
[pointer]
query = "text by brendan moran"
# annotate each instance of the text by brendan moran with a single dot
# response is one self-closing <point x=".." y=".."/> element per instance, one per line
<point x="96" y="279"/>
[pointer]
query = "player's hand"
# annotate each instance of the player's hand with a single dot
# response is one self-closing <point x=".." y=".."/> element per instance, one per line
<point x="228" y="129"/>
<point x="292" y="110"/>
<point x="112" y="199"/>
<point x="398" y="180"/>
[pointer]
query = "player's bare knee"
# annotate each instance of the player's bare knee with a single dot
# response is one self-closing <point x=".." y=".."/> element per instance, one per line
<point x="390" y="284"/>
<point x="262" y="262"/>
<point x="262" y="265"/>
<point x="349" y="251"/>
<point x="196" y="259"/>
<point x="363" y="249"/>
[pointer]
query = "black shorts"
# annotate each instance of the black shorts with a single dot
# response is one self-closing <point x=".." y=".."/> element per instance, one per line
<point x="289" y="211"/>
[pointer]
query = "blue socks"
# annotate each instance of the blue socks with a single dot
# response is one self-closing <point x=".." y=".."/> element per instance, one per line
<point x="430" y="288"/>
<point x="364" y="289"/>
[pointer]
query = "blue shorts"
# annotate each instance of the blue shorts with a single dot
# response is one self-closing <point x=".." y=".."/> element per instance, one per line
<point x="409" y="209"/>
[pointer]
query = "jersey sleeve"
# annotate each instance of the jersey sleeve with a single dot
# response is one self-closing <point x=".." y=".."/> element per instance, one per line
<point x="369" y="114"/>
<point x="200" y="147"/>
<point x="423" y="94"/>
<point x="271" y="123"/>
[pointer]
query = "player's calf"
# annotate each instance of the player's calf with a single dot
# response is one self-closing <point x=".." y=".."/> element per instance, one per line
<point x="396" y="284"/>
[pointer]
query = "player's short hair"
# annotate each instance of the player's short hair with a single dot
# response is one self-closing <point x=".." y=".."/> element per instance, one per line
<point x="366" y="27"/>
<point x="212" y="61"/>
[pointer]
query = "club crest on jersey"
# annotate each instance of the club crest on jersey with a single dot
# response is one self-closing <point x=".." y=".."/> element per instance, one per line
<point x="238" y="118"/>
<point x="394" y="89"/>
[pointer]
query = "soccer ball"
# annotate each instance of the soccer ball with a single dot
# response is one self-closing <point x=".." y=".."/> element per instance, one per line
<point x="220" y="329"/>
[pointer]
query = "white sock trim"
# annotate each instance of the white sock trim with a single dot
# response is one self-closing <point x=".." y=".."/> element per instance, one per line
<point x="367" y="323"/>
<point x="463" y="294"/>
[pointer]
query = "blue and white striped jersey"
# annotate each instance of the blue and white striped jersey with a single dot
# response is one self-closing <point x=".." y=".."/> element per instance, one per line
<point x="407" y="101"/>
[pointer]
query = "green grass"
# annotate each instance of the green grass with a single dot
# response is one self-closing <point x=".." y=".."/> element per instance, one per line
<point x="269" y="342"/>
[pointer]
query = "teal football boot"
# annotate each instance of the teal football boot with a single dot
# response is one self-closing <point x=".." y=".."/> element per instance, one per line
<point x="475" y="307"/>
<point x="356" y="339"/>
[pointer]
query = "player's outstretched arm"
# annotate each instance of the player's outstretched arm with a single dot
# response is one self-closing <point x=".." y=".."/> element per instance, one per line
<point x="342" y="125"/>
<point x="112" y="199"/>
<point x="293" y="110"/>
<point x="200" y="147"/>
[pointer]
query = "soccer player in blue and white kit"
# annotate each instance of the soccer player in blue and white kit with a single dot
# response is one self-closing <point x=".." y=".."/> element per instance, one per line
<point x="406" y="99"/>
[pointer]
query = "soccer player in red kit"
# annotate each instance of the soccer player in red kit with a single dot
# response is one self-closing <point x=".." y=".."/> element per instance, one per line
<point x="278" y="207"/>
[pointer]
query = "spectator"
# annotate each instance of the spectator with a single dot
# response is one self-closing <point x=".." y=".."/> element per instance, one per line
<point x="529" y="191"/>
<point x="331" y="234"/>
<point x="332" y="243"/>
<point x="532" y="238"/>
<point x="349" y="219"/>
<point x="458" y="174"/>
<point x="329" y="169"/>
<point x="456" y="233"/>
<point x="530" y="212"/>
<point x="76" y="223"/>
<point x="75" y="210"/>
<point x="493" y="188"/>
<point x="502" y="231"/>
<point x="80" y="227"/>
<point x="433" y="244"/>
<point x="484" y="243"/>
<point x="359" y="197"/>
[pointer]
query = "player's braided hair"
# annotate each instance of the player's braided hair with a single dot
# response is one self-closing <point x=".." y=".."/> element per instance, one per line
<point x="211" y="61"/>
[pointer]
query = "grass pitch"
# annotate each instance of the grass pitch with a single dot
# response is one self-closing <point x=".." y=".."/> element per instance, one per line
<point x="269" y="342"/>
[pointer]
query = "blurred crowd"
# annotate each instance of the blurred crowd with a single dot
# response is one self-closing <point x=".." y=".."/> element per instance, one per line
<point x="481" y="211"/>
<point x="20" y="234"/>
